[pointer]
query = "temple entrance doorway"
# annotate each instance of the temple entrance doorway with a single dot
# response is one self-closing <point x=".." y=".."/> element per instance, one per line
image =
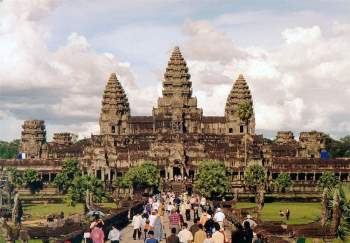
<point x="176" y="171"/>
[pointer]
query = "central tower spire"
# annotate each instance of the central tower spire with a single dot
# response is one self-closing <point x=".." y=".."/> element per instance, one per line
<point x="177" y="101"/>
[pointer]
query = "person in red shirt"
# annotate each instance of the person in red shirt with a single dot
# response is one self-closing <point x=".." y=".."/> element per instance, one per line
<point x="97" y="234"/>
<point x="174" y="220"/>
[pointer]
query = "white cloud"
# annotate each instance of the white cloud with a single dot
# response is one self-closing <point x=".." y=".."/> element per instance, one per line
<point x="300" y="85"/>
<point x="62" y="86"/>
<point x="299" y="82"/>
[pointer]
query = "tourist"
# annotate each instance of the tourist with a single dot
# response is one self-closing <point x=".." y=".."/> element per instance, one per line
<point x="258" y="239"/>
<point x="114" y="235"/>
<point x="152" y="219"/>
<point x="287" y="214"/>
<point x="169" y="207"/>
<point x="97" y="234"/>
<point x="251" y="222"/>
<point x="155" y="206"/>
<point x="181" y="217"/>
<point x="209" y="225"/>
<point x="194" y="228"/>
<point x="200" y="235"/>
<point x="150" y="237"/>
<point x="96" y="221"/>
<point x="188" y="210"/>
<point x="146" y="227"/>
<point x="185" y="235"/>
<point x="204" y="217"/>
<point x="203" y="202"/>
<point x="136" y="224"/>
<point x="219" y="217"/>
<point x="161" y="209"/>
<point x="173" y="238"/>
<point x="222" y="231"/>
<point x="177" y="202"/>
<point x="218" y="237"/>
<point x="174" y="220"/>
<point x="248" y="232"/>
<point x="238" y="234"/>
<point x="209" y="238"/>
<point x="158" y="228"/>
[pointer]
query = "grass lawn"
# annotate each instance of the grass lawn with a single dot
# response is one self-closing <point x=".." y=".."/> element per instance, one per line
<point x="40" y="211"/>
<point x="300" y="213"/>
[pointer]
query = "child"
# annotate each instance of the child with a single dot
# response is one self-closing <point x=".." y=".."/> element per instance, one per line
<point x="146" y="227"/>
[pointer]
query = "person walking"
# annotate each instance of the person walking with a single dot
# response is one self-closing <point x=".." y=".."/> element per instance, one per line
<point x="158" y="228"/>
<point x="218" y="237"/>
<point x="238" y="234"/>
<point x="185" y="235"/>
<point x="194" y="228"/>
<point x="188" y="210"/>
<point x="150" y="237"/>
<point x="173" y="238"/>
<point x="219" y="217"/>
<point x="114" y="235"/>
<point x="200" y="235"/>
<point x="97" y="234"/>
<point x="174" y="220"/>
<point x="136" y="224"/>
<point x="247" y="232"/>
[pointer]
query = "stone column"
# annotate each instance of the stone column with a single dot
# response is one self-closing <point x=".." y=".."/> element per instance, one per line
<point x="171" y="174"/>
<point x="49" y="176"/>
<point x="166" y="172"/>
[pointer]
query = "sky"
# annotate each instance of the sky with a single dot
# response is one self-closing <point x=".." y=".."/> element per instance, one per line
<point x="56" y="57"/>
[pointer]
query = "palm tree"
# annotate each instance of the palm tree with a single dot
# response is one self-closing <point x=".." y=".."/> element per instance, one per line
<point x="245" y="112"/>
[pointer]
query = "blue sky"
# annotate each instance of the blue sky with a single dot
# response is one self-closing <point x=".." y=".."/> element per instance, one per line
<point x="294" y="55"/>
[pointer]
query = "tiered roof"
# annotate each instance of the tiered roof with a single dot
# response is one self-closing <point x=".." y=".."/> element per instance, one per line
<point x="176" y="77"/>
<point x="239" y="92"/>
<point x="114" y="97"/>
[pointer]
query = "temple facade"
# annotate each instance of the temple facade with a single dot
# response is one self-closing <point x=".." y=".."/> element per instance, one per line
<point x="176" y="136"/>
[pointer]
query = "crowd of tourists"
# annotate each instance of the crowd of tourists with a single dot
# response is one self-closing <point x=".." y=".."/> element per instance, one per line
<point x="207" y="223"/>
<point x="192" y="219"/>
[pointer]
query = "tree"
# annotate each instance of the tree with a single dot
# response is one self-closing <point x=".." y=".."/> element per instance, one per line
<point x="83" y="184"/>
<point x="70" y="170"/>
<point x="255" y="176"/>
<point x="145" y="175"/>
<point x="338" y="210"/>
<point x="210" y="179"/>
<point x="14" y="176"/>
<point x="9" y="150"/>
<point x="245" y="112"/>
<point x="31" y="180"/>
<point x="283" y="181"/>
<point x="255" y="179"/>
<point x="327" y="180"/>
<point x="337" y="148"/>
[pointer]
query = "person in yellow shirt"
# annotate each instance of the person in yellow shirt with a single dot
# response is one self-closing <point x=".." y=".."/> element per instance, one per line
<point x="204" y="217"/>
<point x="200" y="235"/>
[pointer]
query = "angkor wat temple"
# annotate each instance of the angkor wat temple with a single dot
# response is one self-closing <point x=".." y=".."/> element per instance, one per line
<point x="176" y="137"/>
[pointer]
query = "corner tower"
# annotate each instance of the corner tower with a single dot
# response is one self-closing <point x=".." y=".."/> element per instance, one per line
<point x="240" y="92"/>
<point x="177" y="110"/>
<point x="115" y="111"/>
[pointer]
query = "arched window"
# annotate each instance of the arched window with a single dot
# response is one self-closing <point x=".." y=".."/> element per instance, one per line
<point x="113" y="129"/>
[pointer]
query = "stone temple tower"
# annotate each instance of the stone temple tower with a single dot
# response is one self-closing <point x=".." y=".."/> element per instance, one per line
<point x="115" y="111"/>
<point x="33" y="139"/>
<point x="239" y="92"/>
<point x="177" y="109"/>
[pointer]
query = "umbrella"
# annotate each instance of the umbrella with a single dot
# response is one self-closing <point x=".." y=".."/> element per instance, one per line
<point x="95" y="212"/>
